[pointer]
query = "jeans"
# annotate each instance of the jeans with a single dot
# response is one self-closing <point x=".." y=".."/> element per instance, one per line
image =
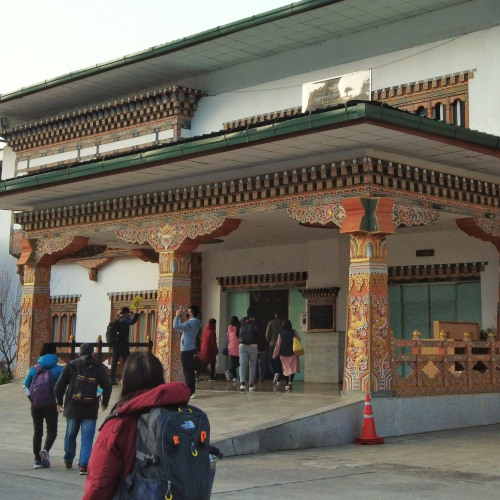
<point x="50" y="415"/>
<point x="248" y="354"/>
<point x="118" y="350"/>
<point x="73" y="426"/>
<point x="187" y="360"/>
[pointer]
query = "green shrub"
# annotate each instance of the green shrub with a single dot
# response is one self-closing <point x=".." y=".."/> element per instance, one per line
<point x="4" y="378"/>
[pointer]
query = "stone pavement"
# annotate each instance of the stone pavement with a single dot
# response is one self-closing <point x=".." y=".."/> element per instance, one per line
<point x="456" y="464"/>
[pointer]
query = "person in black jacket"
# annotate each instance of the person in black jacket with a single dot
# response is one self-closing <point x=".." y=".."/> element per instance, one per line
<point x="120" y="347"/>
<point x="79" y="384"/>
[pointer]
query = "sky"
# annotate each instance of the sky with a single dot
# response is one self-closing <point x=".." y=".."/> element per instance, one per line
<point x="43" y="39"/>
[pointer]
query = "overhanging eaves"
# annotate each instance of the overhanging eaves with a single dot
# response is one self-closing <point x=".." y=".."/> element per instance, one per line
<point x="226" y="155"/>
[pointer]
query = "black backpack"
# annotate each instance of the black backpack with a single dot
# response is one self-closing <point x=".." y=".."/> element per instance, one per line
<point x="248" y="331"/>
<point x="112" y="331"/>
<point x="172" y="456"/>
<point x="86" y="384"/>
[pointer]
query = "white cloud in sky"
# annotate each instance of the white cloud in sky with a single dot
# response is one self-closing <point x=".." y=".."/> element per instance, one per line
<point x="43" y="39"/>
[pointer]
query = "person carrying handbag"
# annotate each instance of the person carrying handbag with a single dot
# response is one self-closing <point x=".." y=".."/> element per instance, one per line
<point x="284" y="349"/>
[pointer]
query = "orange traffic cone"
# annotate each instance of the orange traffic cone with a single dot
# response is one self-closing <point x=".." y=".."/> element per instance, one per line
<point x="369" y="434"/>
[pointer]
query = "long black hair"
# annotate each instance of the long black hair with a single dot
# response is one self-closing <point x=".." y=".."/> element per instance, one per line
<point x="142" y="370"/>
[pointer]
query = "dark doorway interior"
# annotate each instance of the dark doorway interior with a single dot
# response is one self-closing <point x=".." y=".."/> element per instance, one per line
<point x="266" y="303"/>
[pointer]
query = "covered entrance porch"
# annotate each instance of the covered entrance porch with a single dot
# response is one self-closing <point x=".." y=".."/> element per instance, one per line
<point x="287" y="214"/>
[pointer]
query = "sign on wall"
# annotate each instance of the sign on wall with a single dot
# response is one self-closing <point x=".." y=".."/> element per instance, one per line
<point x="338" y="90"/>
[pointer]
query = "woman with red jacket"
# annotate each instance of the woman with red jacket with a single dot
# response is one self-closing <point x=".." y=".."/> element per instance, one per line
<point x="209" y="349"/>
<point x="113" y="454"/>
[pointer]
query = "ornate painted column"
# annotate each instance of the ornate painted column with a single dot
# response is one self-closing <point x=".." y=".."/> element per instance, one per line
<point x="175" y="243"/>
<point x="34" y="265"/>
<point x="174" y="290"/>
<point x="367" y="355"/>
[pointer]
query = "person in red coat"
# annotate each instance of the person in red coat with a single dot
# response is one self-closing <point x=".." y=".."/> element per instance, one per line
<point x="209" y="349"/>
<point x="113" y="454"/>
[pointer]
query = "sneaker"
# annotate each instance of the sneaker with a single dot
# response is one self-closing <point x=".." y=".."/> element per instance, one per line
<point x="68" y="465"/>
<point x="228" y="375"/>
<point x="251" y="388"/>
<point x="83" y="471"/>
<point x="44" y="455"/>
<point x="289" y="386"/>
<point x="235" y="379"/>
<point x="242" y="387"/>
<point x="38" y="464"/>
<point x="193" y="396"/>
<point x="276" y="379"/>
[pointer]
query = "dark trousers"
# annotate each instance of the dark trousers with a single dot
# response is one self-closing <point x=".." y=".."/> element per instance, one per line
<point x="50" y="415"/>
<point x="211" y="372"/>
<point x="187" y="360"/>
<point x="118" y="350"/>
<point x="235" y="362"/>
<point x="274" y="364"/>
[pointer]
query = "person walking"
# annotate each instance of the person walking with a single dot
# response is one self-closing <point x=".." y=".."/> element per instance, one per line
<point x="209" y="350"/>
<point x="190" y="331"/>
<point x="273" y="329"/>
<point x="121" y="345"/>
<point x="284" y="349"/>
<point x="78" y="385"/>
<point x="248" y="335"/>
<point x="114" y="452"/>
<point x="233" y="348"/>
<point x="47" y="412"/>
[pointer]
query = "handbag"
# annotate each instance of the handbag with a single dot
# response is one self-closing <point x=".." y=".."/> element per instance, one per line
<point x="298" y="350"/>
<point x="224" y="351"/>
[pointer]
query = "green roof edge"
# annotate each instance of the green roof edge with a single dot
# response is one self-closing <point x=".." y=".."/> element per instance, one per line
<point x="300" y="124"/>
<point x="158" y="50"/>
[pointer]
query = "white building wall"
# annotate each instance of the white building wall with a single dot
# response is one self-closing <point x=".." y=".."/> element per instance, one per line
<point x="121" y="275"/>
<point x="392" y="69"/>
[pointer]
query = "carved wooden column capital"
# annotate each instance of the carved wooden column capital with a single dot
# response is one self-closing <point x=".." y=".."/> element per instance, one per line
<point x="182" y="236"/>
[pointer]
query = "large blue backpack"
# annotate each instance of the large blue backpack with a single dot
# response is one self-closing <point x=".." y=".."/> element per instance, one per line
<point x="172" y="456"/>
<point x="42" y="388"/>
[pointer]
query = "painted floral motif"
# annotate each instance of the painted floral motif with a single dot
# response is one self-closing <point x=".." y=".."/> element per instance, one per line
<point x="318" y="214"/>
<point x="413" y="215"/>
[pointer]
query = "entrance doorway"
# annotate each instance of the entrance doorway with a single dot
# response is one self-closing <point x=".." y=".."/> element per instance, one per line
<point x="267" y="302"/>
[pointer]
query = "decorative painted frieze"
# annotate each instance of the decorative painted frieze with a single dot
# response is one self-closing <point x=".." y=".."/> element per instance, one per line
<point x="99" y="120"/>
<point x="246" y="282"/>
<point x="315" y="185"/>
<point x="331" y="213"/>
<point x="413" y="215"/>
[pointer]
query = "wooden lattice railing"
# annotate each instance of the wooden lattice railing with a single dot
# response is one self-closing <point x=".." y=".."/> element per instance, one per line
<point x="66" y="351"/>
<point x="430" y="367"/>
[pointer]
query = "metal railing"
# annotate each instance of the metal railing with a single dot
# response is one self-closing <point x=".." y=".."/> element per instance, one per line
<point x="423" y="367"/>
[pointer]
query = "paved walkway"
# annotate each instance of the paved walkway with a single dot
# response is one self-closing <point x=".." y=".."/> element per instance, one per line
<point x="456" y="465"/>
